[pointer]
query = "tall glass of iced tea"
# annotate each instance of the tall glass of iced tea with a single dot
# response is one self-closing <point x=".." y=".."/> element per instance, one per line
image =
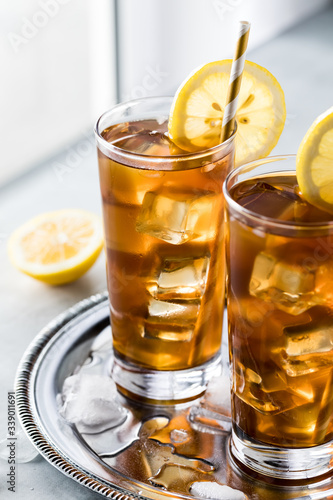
<point x="164" y="238"/>
<point x="280" y="310"/>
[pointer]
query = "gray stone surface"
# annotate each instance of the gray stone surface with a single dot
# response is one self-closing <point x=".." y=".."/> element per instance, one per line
<point x="301" y="61"/>
<point x="28" y="305"/>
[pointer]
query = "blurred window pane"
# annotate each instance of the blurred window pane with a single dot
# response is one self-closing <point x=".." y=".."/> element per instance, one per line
<point x="59" y="60"/>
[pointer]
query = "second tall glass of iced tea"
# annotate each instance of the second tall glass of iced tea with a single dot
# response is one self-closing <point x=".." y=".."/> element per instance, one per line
<point x="164" y="237"/>
<point x="280" y="311"/>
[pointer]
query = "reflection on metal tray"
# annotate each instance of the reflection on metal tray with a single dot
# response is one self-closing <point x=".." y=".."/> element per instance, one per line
<point x="156" y="453"/>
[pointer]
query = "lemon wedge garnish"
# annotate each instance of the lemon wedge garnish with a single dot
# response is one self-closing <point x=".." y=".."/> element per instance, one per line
<point x="57" y="247"/>
<point x="196" y="113"/>
<point x="314" y="163"/>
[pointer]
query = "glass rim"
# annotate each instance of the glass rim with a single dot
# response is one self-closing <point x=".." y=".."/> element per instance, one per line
<point x="264" y="219"/>
<point x="111" y="148"/>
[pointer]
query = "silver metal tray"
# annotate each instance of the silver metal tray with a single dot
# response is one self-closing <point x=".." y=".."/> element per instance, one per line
<point x="156" y="453"/>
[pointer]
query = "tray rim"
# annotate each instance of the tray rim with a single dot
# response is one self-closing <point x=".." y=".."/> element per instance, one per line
<point x="23" y="386"/>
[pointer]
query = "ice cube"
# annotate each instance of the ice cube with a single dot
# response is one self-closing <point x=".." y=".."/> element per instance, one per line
<point x="252" y="377"/>
<point x="324" y="275"/>
<point x="179" y="436"/>
<point x="308" y="423"/>
<point x="215" y="491"/>
<point x="90" y="402"/>
<point x="266" y="378"/>
<point x="303" y="388"/>
<point x="168" y="333"/>
<point x="173" y="313"/>
<point x="296" y="211"/>
<point x="120" y="235"/>
<point x="181" y="279"/>
<point x="309" y="387"/>
<point x="262" y="271"/>
<point x="140" y="143"/>
<point x="296" y="368"/>
<point x="271" y="201"/>
<point x="305" y="340"/>
<point x="177" y="431"/>
<point x="308" y="348"/>
<point x="271" y="403"/>
<point x="264" y="187"/>
<point x="171" y="321"/>
<point x="177" y="216"/>
<point x="148" y="142"/>
<point x="217" y="395"/>
<point x="268" y="381"/>
<point x="325" y="413"/>
<point x="284" y="281"/>
<point x="273" y="381"/>
<point x="250" y="392"/>
<point x="265" y="392"/>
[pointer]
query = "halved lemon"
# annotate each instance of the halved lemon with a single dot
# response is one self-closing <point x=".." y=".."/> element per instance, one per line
<point x="196" y="113"/>
<point x="57" y="247"/>
<point x="314" y="163"/>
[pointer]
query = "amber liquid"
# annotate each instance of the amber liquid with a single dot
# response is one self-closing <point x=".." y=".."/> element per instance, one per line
<point x="280" y="309"/>
<point x="165" y="251"/>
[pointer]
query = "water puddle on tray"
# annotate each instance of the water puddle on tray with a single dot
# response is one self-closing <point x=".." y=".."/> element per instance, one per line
<point x="170" y="448"/>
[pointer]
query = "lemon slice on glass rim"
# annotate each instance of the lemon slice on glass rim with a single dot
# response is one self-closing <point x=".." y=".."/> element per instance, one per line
<point x="314" y="163"/>
<point x="196" y="113"/>
<point x="57" y="247"/>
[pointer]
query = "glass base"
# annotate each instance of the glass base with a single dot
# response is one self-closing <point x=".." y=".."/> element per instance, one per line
<point x="163" y="386"/>
<point x="281" y="463"/>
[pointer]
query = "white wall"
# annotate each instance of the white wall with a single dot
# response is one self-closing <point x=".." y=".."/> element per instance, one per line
<point x="54" y="81"/>
<point x="168" y="39"/>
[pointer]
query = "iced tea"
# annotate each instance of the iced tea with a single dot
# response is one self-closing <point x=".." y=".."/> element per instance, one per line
<point x="163" y="220"/>
<point x="280" y="310"/>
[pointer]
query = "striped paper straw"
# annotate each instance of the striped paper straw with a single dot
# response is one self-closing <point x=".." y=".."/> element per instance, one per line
<point x="228" y="123"/>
